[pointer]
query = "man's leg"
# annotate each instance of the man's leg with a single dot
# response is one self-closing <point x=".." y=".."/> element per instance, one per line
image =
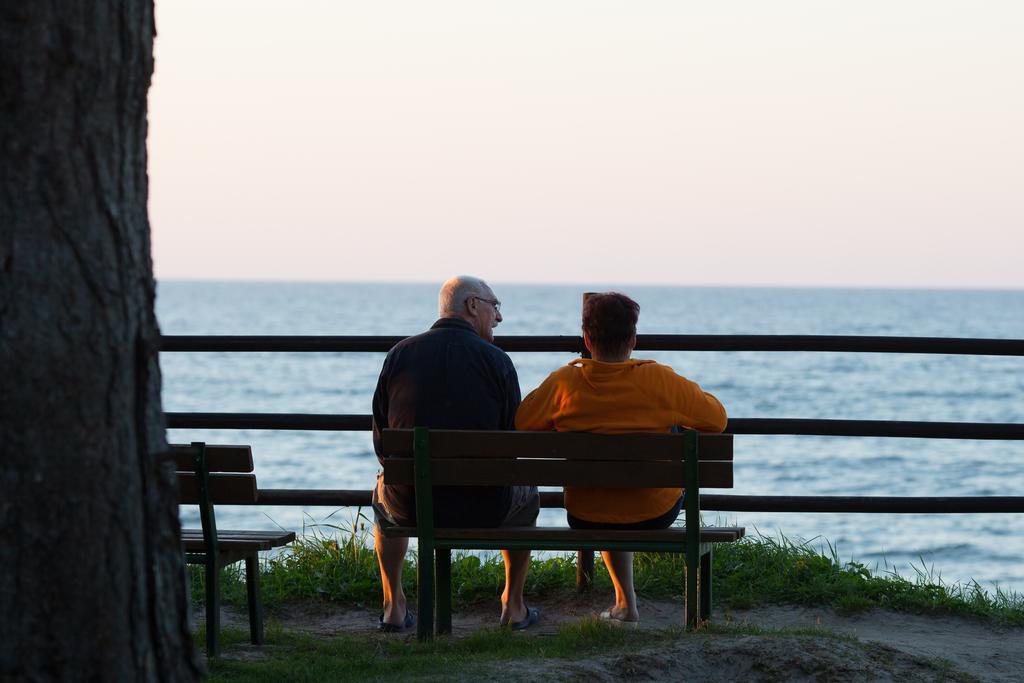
<point x="620" y="569"/>
<point x="517" y="563"/>
<point x="391" y="557"/>
<point x="523" y="511"/>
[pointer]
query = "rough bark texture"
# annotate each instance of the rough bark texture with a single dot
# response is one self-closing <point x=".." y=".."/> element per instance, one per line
<point x="91" y="573"/>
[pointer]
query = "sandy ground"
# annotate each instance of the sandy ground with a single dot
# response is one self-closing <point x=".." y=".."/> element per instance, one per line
<point x="888" y="645"/>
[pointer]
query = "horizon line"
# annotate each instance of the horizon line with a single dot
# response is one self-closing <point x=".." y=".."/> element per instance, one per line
<point x="550" y="283"/>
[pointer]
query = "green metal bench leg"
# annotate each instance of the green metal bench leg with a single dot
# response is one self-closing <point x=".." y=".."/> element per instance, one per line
<point x="705" y="582"/>
<point x="212" y="610"/>
<point x="691" y="503"/>
<point x="425" y="538"/>
<point x="692" y="606"/>
<point x="443" y="589"/>
<point x="425" y="590"/>
<point x="252" y="590"/>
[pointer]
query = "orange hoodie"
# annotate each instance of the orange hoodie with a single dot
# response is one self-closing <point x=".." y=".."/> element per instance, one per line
<point x="618" y="398"/>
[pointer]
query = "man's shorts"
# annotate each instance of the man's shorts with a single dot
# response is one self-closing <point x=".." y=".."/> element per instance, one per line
<point x="522" y="511"/>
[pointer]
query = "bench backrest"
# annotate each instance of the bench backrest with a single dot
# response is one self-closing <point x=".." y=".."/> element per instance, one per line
<point x="480" y="458"/>
<point x="229" y="477"/>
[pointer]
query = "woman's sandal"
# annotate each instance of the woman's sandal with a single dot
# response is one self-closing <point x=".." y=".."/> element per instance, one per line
<point x="606" y="616"/>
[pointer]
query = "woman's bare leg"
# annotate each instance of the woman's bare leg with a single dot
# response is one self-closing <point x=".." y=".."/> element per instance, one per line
<point x="620" y="569"/>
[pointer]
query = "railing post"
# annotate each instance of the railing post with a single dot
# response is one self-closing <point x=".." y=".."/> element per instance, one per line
<point x="584" y="570"/>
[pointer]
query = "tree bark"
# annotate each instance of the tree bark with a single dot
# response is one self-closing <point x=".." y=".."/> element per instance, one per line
<point x="92" y="582"/>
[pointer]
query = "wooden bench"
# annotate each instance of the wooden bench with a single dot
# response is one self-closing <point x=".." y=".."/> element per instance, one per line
<point x="426" y="458"/>
<point x="223" y="474"/>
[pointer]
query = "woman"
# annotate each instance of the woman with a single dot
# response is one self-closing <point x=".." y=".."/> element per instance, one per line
<point x="610" y="393"/>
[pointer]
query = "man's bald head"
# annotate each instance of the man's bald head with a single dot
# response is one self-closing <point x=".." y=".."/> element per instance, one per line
<point x="472" y="300"/>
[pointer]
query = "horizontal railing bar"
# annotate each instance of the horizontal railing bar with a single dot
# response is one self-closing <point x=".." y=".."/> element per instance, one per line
<point x="792" y="426"/>
<point x="727" y="503"/>
<point x="341" y="497"/>
<point x="276" y="421"/>
<point x="645" y="342"/>
<point x="883" y="428"/>
<point x="290" y="343"/>
<point x="832" y="343"/>
<point x="893" y="504"/>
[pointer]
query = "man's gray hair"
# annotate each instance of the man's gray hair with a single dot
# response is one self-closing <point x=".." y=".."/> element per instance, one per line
<point x="456" y="290"/>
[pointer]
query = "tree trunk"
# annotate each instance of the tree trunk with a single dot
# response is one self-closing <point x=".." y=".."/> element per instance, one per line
<point x="92" y="583"/>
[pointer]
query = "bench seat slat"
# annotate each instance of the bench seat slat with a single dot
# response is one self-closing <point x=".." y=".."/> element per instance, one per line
<point x="276" y="539"/>
<point x="197" y="545"/>
<point x="562" y="534"/>
<point x="218" y="458"/>
<point x="228" y="545"/>
<point x="241" y="533"/>
<point x="567" y="445"/>
<point x="192" y="539"/>
<point x="479" y="472"/>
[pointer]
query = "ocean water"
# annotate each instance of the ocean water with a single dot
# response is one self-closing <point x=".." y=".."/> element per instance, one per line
<point x="987" y="548"/>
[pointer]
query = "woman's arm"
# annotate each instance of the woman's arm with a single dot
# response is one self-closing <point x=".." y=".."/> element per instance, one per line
<point x="537" y="411"/>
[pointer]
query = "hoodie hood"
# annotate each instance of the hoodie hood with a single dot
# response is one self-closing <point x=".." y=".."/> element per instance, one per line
<point x="597" y="372"/>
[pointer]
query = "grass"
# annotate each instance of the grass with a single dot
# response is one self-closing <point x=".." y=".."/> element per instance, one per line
<point x="767" y="570"/>
<point x="335" y="563"/>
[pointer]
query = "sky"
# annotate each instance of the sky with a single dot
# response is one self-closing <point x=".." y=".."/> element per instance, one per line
<point x="783" y="143"/>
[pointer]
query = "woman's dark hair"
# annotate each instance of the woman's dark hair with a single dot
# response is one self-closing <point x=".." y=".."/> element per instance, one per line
<point x="609" y="319"/>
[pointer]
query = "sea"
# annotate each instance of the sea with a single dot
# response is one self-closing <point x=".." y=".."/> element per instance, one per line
<point x="954" y="548"/>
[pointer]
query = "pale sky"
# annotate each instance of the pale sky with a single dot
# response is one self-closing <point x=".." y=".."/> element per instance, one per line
<point x="816" y="143"/>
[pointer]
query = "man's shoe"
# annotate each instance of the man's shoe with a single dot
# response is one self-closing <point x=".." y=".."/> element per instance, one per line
<point x="532" y="617"/>
<point x="407" y="623"/>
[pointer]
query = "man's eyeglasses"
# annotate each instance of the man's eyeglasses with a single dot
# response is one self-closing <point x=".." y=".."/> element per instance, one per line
<point x="493" y="302"/>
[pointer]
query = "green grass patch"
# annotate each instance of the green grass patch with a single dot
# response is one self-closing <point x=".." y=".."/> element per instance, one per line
<point x="336" y="563"/>
<point x="761" y="570"/>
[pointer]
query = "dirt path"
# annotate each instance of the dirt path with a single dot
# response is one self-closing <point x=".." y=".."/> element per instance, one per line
<point x="989" y="652"/>
<point x="889" y="645"/>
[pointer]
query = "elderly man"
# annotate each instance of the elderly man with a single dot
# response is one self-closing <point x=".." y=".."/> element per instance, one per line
<point x="451" y="377"/>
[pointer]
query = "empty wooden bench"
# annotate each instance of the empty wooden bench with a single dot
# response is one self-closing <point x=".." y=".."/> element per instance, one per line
<point x="223" y="475"/>
<point x="427" y="458"/>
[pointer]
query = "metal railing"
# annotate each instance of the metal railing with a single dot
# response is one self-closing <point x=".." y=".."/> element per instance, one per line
<point x="644" y="342"/>
<point x="656" y="342"/>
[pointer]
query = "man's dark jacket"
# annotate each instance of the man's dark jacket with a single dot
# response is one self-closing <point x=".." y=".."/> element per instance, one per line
<point x="447" y="378"/>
